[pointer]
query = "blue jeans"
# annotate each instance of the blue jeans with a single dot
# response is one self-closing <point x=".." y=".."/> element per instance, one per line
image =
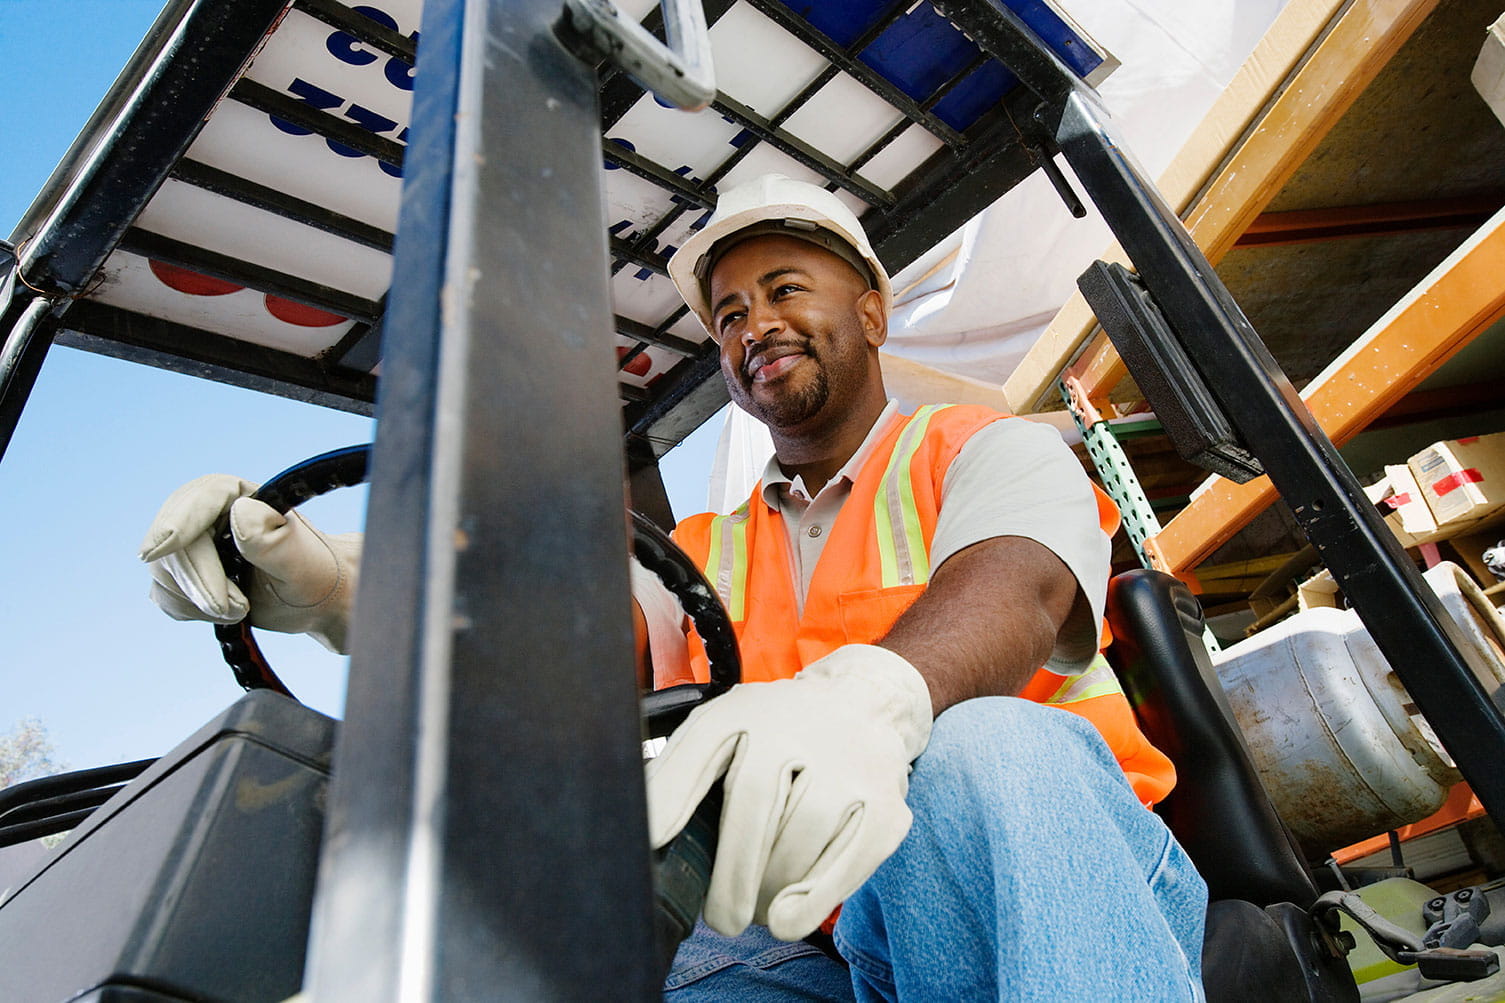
<point x="1031" y="872"/>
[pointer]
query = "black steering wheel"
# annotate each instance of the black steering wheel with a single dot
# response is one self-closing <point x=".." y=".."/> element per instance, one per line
<point x="338" y="468"/>
<point x="684" y="865"/>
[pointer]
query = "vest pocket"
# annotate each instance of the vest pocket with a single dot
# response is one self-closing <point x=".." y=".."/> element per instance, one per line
<point x="868" y="614"/>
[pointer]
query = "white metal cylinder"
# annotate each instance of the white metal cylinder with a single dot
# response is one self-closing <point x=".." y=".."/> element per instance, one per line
<point x="1335" y="737"/>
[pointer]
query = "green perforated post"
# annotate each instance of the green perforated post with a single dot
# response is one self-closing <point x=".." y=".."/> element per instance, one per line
<point x="1117" y="475"/>
<point x="1118" y="478"/>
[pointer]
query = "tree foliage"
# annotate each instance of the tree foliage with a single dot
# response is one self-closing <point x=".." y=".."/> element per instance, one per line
<point x="26" y="753"/>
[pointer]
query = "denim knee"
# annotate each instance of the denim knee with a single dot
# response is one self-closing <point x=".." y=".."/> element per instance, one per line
<point x="1008" y="735"/>
<point x="1028" y="845"/>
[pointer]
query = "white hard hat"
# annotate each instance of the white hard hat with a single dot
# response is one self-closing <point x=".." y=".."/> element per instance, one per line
<point x="774" y="204"/>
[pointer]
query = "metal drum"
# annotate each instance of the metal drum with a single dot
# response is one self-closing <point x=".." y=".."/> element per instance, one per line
<point x="1334" y="735"/>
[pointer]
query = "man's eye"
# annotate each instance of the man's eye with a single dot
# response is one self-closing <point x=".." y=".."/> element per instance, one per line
<point x="785" y="290"/>
<point x="729" y="318"/>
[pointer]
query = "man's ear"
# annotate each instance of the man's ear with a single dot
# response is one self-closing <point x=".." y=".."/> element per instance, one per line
<point x="873" y="317"/>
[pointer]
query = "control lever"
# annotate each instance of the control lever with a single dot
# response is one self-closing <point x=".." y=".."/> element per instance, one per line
<point x="1456" y="920"/>
<point x="683" y="876"/>
<point x="1451" y="964"/>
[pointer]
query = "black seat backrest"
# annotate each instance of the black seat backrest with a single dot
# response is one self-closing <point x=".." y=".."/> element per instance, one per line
<point x="1219" y="809"/>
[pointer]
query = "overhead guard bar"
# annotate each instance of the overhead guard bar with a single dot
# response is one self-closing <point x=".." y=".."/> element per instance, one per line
<point x="679" y="73"/>
<point x="99" y="191"/>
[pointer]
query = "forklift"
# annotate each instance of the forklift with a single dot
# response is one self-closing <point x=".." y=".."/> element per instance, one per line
<point x="475" y="826"/>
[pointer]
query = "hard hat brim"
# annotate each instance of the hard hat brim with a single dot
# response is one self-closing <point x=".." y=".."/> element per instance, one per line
<point x="685" y="267"/>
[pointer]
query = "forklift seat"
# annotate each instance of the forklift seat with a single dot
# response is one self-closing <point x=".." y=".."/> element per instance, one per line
<point x="1261" y="942"/>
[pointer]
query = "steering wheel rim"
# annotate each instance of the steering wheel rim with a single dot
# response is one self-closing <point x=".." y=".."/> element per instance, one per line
<point x="284" y="492"/>
<point x="662" y="710"/>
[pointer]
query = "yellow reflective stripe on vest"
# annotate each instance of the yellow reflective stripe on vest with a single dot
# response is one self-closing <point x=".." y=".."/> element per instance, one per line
<point x="902" y="555"/>
<point x="726" y="564"/>
<point x="1097" y="681"/>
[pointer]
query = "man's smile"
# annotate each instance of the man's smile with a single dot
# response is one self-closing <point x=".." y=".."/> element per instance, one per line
<point x="772" y="362"/>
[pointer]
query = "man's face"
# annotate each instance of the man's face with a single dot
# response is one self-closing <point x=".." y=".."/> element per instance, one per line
<point x="797" y="328"/>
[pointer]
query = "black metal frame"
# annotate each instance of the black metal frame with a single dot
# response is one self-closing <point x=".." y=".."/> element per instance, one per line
<point x="60" y="802"/>
<point x="968" y="174"/>
<point x="973" y="167"/>
<point x="97" y="202"/>
<point x="487" y="831"/>
<point x="1399" y="610"/>
<point x="88" y="208"/>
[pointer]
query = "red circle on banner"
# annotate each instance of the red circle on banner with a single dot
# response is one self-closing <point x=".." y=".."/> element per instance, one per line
<point x="301" y="314"/>
<point x="640" y="363"/>
<point x="192" y="283"/>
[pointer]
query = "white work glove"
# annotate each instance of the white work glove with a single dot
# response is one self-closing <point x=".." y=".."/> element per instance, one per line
<point x="303" y="581"/>
<point x="816" y="768"/>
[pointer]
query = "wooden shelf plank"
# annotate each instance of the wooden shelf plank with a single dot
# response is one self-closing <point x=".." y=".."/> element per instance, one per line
<point x="1461" y="298"/>
<point x="1303" y="226"/>
<point x="916" y="383"/>
<point x="1290" y="92"/>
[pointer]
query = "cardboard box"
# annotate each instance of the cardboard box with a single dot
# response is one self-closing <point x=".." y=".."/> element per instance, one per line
<point x="1406" y="511"/>
<point x="1489" y="69"/>
<point x="1318" y="590"/>
<point x="1463" y="480"/>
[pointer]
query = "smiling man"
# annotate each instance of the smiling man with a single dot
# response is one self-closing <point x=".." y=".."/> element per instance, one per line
<point x="907" y="592"/>
<point x="798" y="329"/>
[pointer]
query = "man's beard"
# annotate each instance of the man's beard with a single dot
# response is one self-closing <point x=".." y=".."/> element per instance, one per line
<point x="791" y="407"/>
<point x="836" y="366"/>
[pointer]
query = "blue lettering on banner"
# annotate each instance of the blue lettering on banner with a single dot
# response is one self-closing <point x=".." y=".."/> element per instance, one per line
<point x="623" y="227"/>
<point x="348" y="49"/>
<point x="666" y="250"/>
<point x="683" y="170"/>
<point x="317" y="97"/>
<point x="311" y="95"/>
<point x="400" y="74"/>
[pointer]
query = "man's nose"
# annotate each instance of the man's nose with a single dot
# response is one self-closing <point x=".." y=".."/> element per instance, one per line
<point x="762" y="321"/>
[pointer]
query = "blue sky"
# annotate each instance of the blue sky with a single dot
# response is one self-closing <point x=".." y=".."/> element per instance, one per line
<point x="102" y="443"/>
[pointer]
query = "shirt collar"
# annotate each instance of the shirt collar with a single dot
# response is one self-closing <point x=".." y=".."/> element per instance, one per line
<point x="775" y="480"/>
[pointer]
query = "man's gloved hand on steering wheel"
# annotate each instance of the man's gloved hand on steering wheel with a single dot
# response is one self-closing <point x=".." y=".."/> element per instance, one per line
<point x="816" y="767"/>
<point x="303" y="580"/>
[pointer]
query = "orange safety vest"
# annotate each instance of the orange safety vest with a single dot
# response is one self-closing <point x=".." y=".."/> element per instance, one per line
<point x="875" y="563"/>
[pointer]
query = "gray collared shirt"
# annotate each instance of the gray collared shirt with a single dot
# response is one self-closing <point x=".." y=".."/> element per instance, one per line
<point x="809" y="520"/>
